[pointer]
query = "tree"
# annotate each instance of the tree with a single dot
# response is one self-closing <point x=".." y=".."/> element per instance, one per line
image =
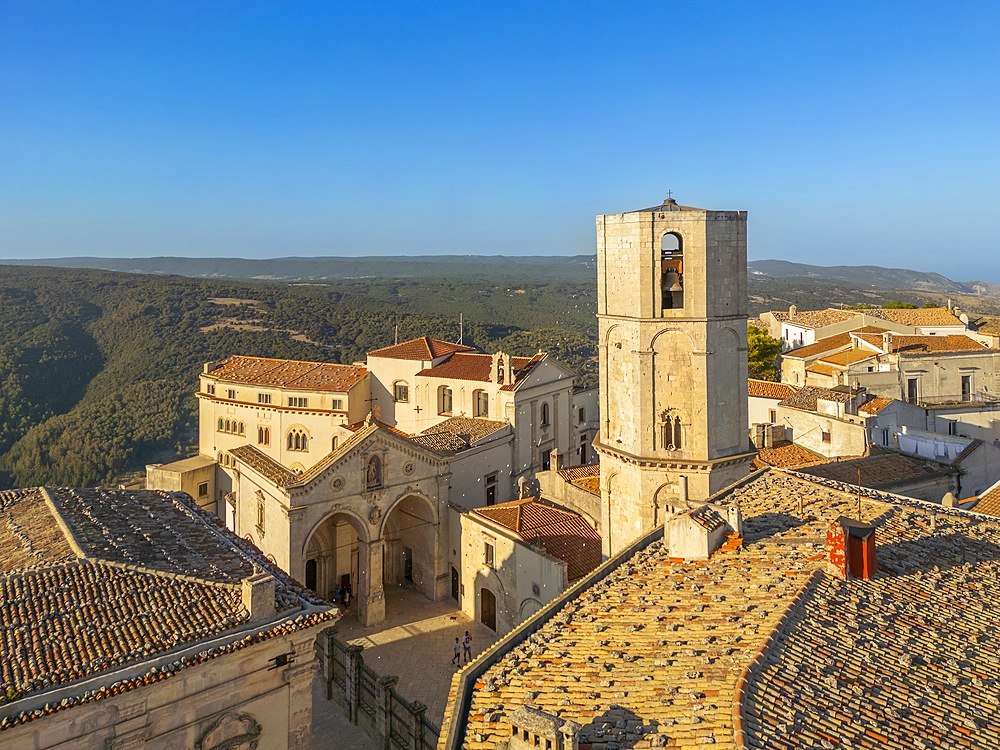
<point x="762" y="354"/>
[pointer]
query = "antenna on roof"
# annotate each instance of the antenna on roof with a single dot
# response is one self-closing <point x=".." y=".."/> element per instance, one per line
<point x="461" y="329"/>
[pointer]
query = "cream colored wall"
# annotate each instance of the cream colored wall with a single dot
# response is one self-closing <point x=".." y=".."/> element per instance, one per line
<point x="162" y="477"/>
<point x="759" y="410"/>
<point x="469" y="470"/>
<point x="385" y="372"/>
<point x="848" y="436"/>
<point x="175" y="713"/>
<point x="517" y="567"/>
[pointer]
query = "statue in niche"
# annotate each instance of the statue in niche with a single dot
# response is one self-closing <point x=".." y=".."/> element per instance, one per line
<point x="373" y="476"/>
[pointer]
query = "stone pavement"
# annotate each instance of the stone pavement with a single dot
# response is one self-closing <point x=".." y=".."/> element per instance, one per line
<point x="415" y="644"/>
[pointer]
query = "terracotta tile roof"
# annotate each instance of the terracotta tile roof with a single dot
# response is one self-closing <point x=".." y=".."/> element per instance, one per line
<point x="422" y="349"/>
<point x="757" y="323"/>
<point x="478" y="367"/>
<point x="882" y="471"/>
<point x="288" y="373"/>
<point x="787" y="456"/>
<point x="848" y="357"/>
<point x="707" y="517"/>
<point x="562" y="533"/>
<point x="814" y="318"/>
<point x="587" y="478"/>
<point x="988" y="325"/>
<point x="989" y="502"/>
<point x="760" y="646"/>
<point x="916" y="345"/>
<point x="93" y="580"/>
<point x="768" y="389"/>
<point x="921" y="316"/>
<point x="384" y="425"/>
<point x="820" y="369"/>
<point x="830" y="344"/>
<point x="875" y="405"/>
<point x="807" y="396"/>
<point x="474" y="428"/>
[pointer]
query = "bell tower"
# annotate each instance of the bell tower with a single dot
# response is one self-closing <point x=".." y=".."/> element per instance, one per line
<point x="672" y="320"/>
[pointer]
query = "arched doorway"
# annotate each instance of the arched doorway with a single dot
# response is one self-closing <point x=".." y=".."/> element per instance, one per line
<point x="332" y="556"/>
<point x="410" y="536"/>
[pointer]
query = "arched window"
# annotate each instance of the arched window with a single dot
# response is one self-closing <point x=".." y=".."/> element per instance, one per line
<point x="678" y="442"/>
<point x="242" y="429"/>
<point x="373" y="474"/>
<point x="444" y="400"/>
<point x="229" y="426"/>
<point x="545" y="414"/>
<point x="298" y="440"/>
<point x="222" y="424"/>
<point x="480" y="403"/>
<point x="264" y="435"/>
<point x="671" y="272"/>
<point x="670" y="433"/>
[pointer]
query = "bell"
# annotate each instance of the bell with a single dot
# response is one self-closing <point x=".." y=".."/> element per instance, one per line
<point x="674" y="281"/>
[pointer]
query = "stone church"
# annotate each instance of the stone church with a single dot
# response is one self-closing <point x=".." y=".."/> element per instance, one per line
<point x="353" y="476"/>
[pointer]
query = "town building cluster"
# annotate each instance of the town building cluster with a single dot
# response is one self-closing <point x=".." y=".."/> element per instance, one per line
<point x="681" y="557"/>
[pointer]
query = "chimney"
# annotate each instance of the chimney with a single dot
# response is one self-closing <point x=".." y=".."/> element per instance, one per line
<point x="532" y="728"/>
<point x="792" y="310"/>
<point x="887" y="342"/>
<point x="258" y="595"/>
<point x="850" y="547"/>
<point x="554" y="461"/>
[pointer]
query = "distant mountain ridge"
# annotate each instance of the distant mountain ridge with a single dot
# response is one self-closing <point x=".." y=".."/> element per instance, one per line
<point x="299" y="269"/>
<point x="875" y="276"/>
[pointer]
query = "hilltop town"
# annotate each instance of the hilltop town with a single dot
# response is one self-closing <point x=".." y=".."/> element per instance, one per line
<point x="677" y="556"/>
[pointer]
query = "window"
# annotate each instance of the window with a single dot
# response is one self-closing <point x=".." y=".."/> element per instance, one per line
<point x="583" y="449"/>
<point x="966" y="387"/>
<point x="952" y="428"/>
<point x="260" y="512"/>
<point x="826" y="436"/>
<point x="671" y="272"/>
<point x="671" y="432"/>
<point x="263" y="436"/>
<point x="232" y="427"/>
<point x="444" y="400"/>
<point x="546" y="460"/>
<point x="912" y="390"/>
<point x="886" y="436"/>
<point x="488" y="554"/>
<point x="545" y="414"/>
<point x="772" y="415"/>
<point x="333" y="443"/>
<point x="491" y="488"/>
<point x="337" y="404"/>
<point x="373" y="474"/>
<point x="481" y="404"/>
<point x="231" y="394"/>
<point x="298" y="440"/>
<point x="210" y="389"/>
<point x="298" y="402"/>
<point x="582" y="415"/>
<point x="401" y="392"/>
<point x="203" y="490"/>
<point x="263" y="398"/>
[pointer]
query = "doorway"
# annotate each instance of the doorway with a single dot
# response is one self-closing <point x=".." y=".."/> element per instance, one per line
<point x="454" y="583"/>
<point x="408" y="564"/>
<point x="488" y="608"/>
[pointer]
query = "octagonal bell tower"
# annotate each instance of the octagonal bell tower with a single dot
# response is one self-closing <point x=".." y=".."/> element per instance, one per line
<point x="672" y="316"/>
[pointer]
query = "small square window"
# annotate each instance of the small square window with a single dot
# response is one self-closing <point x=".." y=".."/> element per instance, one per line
<point x="263" y="398"/>
<point x="231" y="394"/>
<point x="337" y="404"/>
<point x="298" y="402"/>
<point x="401" y="392"/>
<point x="826" y="436"/>
<point x="203" y="490"/>
<point x="210" y="389"/>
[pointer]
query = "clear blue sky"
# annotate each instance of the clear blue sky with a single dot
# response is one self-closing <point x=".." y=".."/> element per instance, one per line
<point x="852" y="132"/>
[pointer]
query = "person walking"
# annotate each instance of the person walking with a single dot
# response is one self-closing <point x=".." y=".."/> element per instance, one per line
<point x="456" y="657"/>
<point x="467" y="646"/>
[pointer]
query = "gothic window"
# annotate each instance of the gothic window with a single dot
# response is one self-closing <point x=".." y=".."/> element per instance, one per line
<point x="263" y="435"/>
<point x="678" y="441"/>
<point x="222" y="425"/>
<point x="444" y="400"/>
<point x="298" y="440"/>
<point x="671" y="433"/>
<point x="481" y="403"/>
<point x="671" y="272"/>
<point x="373" y="475"/>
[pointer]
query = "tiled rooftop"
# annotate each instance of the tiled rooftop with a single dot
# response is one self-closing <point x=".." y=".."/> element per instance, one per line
<point x="92" y="580"/>
<point x="814" y="318"/>
<point x="422" y="349"/>
<point x="832" y="343"/>
<point x="807" y="396"/>
<point x="787" y="456"/>
<point x="875" y="405"/>
<point x="916" y="345"/>
<point x="989" y="502"/>
<point x="473" y="428"/>
<point x="768" y="389"/>
<point x="761" y="647"/>
<point x="921" y="316"/>
<point x="880" y="471"/>
<point x="562" y="533"/>
<point x="848" y="357"/>
<point x="288" y="373"/>
<point x="466" y="366"/>
<point x="587" y="478"/>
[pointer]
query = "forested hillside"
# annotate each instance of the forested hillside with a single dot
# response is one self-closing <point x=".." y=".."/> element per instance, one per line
<point x="98" y="369"/>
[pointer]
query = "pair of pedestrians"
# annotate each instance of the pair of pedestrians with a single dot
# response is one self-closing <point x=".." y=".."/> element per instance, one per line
<point x="462" y="646"/>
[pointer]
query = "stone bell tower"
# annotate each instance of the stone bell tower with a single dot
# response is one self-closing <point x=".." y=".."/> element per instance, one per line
<point x="672" y="317"/>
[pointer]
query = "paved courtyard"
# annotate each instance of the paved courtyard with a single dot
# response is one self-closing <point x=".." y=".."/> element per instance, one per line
<point x="415" y="644"/>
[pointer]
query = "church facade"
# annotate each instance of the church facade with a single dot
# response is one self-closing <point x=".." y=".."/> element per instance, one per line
<point x="349" y="476"/>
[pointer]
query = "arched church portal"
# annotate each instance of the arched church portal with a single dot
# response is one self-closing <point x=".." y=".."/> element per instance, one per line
<point x="332" y="556"/>
<point x="411" y="549"/>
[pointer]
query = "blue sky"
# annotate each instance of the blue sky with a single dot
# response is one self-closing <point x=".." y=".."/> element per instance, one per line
<point x="852" y="133"/>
